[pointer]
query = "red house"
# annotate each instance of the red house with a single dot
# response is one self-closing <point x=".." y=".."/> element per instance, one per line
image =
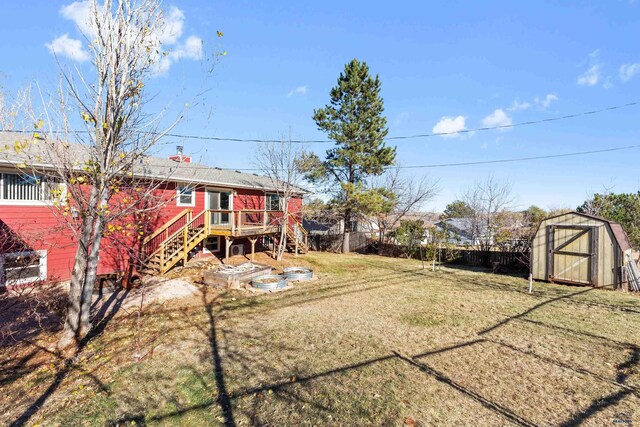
<point x="208" y="210"/>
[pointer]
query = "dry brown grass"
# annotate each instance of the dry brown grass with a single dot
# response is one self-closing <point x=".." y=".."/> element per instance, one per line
<point x="373" y="341"/>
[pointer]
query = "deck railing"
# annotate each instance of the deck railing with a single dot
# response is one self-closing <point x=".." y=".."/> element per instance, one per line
<point x="243" y="220"/>
<point x="236" y="222"/>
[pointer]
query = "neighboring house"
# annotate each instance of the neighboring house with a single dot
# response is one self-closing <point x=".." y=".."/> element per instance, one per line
<point x="321" y="228"/>
<point x="370" y="225"/>
<point x="460" y="231"/>
<point x="336" y="227"/>
<point x="213" y="210"/>
<point x="428" y="222"/>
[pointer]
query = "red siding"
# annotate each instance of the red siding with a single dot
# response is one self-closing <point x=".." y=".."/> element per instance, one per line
<point x="41" y="228"/>
<point x="248" y="199"/>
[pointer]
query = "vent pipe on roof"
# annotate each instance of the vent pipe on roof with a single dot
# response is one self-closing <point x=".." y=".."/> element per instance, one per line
<point x="179" y="156"/>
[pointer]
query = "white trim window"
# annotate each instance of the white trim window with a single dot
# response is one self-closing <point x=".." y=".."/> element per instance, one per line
<point x="19" y="188"/>
<point x="274" y="202"/>
<point x="212" y="244"/>
<point x="18" y="268"/>
<point x="185" y="195"/>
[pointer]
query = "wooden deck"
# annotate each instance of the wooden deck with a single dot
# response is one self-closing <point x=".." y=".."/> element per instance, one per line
<point x="242" y="223"/>
<point x="245" y="231"/>
<point x="180" y="235"/>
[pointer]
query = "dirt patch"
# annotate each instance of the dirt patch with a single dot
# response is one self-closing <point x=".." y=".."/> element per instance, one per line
<point x="154" y="290"/>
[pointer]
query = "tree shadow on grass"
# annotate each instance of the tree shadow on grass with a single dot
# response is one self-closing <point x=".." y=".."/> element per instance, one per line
<point x="283" y="389"/>
<point x="223" y="398"/>
<point x="599" y="404"/>
<point x="530" y="310"/>
<point x="102" y="317"/>
<point x="26" y="313"/>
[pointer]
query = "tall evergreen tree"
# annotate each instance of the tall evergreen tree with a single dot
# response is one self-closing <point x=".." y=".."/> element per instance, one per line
<point x="457" y="209"/>
<point x="354" y="120"/>
<point x="623" y="208"/>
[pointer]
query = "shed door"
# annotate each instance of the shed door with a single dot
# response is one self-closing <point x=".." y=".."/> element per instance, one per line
<point x="572" y="254"/>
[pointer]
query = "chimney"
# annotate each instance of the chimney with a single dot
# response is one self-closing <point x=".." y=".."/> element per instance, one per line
<point x="179" y="157"/>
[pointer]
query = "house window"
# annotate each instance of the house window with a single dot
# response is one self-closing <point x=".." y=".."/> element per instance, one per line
<point x="23" y="267"/>
<point x="212" y="244"/>
<point x="29" y="188"/>
<point x="274" y="202"/>
<point x="186" y="196"/>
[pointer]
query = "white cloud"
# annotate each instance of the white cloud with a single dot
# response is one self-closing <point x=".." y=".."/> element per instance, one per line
<point x="591" y="77"/>
<point x="449" y="126"/>
<point x="545" y="102"/>
<point x="190" y="49"/>
<point x="65" y="46"/>
<point x="517" y="106"/>
<point x="167" y="37"/>
<point x="171" y="31"/>
<point x="497" y="119"/>
<point x="78" y="12"/>
<point x="300" y="90"/>
<point x="627" y="71"/>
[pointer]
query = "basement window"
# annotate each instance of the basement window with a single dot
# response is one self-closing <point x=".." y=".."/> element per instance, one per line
<point x="186" y="196"/>
<point x="23" y="267"/>
<point x="212" y="244"/>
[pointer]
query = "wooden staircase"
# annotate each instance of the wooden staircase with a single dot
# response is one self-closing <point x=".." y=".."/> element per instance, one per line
<point x="297" y="236"/>
<point x="173" y="242"/>
<point x="175" y="247"/>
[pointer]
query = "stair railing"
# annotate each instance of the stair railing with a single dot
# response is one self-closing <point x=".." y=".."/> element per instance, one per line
<point x="152" y="242"/>
<point x="181" y="240"/>
<point x="296" y="230"/>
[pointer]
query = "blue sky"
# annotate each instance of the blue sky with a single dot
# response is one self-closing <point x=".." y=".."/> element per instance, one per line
<point x="443" y="66"/>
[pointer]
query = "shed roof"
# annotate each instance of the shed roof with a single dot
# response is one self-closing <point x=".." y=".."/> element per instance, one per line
<point x="616" y="228"/>
<point x="151" y="167"/>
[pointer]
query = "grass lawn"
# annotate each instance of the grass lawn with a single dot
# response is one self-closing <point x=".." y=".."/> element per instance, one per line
<point x="373" y="341"/>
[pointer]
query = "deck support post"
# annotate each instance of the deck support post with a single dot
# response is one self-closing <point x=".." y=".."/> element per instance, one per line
<point x="253" y="247"/>
<point x="273" y="246"/>
<point x="228" y="241"/>
<point x="185" y="239"/>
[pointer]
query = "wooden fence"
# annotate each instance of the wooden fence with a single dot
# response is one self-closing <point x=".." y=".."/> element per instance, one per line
<point x="358" y="242"/>
<point x="511" y="260"/>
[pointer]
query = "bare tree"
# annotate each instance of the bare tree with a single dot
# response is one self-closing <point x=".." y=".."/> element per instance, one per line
<point x="487" y="199"/>
<point x="410" y="195"/>
<point x="12" y="108"/>
<point x="279" y="161"/>
<point x="104" y="178"/>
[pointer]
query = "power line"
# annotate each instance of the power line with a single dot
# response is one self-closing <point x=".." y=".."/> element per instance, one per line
<point x="521" y="159"/>
<point x="513" y="125"/>
<point x="391" y="138"/>
<point x="479" y="162"/>
<point x="425" y="135"/>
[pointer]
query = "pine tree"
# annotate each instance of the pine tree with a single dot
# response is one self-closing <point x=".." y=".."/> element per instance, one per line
<point x="354" y="120"/>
